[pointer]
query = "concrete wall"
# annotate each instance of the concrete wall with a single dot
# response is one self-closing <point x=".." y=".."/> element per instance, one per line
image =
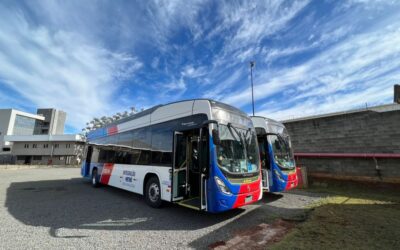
<point x="52" y="149"/>
<point x="59" y="122"/>
<point x="53" y="124"/>
<point x="5" y="115"/>
<point x="7" y="159"/>
<point x="65" y="153"/>
<point x="47" y="160"/>
<point x="359" y="132"/>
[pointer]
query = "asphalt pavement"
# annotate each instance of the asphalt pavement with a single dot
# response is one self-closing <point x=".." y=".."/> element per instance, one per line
<point x="56" y="208"/>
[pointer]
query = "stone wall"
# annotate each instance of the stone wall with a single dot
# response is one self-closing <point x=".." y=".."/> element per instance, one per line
<point x="359" y="132"/>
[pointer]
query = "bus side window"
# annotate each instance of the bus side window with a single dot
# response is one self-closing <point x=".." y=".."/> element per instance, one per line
<point x="156" y="157"/>
<point x="144" y="158"/>
<point x="166" y="158"/>
<point x="102" y="156"/>
<point x="134" y="156"/>
<point x="106" y="156"/>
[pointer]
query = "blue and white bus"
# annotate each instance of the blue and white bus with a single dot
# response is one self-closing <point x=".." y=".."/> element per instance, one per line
<point x="276" y="155"/>
<point x="200" y="153"/>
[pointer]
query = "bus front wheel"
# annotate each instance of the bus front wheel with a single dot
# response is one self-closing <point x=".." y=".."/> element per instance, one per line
<point x="95" y="178"/>
<point x="153" y="192"/>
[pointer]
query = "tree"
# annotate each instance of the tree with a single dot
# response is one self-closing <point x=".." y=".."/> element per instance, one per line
<point x="103" y="121"/>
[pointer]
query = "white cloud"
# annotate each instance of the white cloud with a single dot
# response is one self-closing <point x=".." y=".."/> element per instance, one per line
<point x="347" y="75"/>
<point x="192" y="72"/>
<point x="253" y="21"/>
<point x="166" y="16"/>
<point x="61" y="69"/>
<point x="332" y="103"/>
<point x="175" y="85"/>
<point x="327" y="38"/>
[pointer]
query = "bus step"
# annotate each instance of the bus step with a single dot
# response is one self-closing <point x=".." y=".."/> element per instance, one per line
<point x="193" y="203"/>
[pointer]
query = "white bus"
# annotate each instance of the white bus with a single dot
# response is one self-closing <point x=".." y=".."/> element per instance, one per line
<point x="198" y="153"/>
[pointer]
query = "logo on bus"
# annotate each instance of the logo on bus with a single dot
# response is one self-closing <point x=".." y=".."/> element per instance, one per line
<point x="129" y="173"/>
<point x="247" y="181"/>
<point x="106" y="171"/>
<point x="188" y="124"/>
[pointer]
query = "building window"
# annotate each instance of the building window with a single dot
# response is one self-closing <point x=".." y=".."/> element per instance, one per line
<point x="34" y="145"/>
<point x="26" y="146"/>
<point x="20" y="158"/>
<point x="45" y="145"/>
<point x="56" y="145"/>
<point x="6" y="149"/>
<point x="23" y="125"/>
<point x="37" y="157"/>
<point x="68" y="145"/>
<point x="61" y="158"/>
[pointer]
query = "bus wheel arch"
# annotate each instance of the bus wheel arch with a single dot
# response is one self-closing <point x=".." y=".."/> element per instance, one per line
<point x="152" y="190"/>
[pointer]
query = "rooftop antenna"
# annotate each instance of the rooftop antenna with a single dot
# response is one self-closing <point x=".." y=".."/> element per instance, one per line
<point x="252" y="64"/>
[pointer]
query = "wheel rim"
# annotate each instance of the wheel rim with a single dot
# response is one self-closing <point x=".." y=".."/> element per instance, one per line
<point x="94" y="178"/>
<point x="154" y="192"/>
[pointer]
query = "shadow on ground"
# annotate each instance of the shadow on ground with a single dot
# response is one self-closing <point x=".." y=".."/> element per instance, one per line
<point x="268" y="212"/>
<point x="74" y="204"/>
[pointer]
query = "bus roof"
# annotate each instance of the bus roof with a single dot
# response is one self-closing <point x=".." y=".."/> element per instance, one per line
<point x="154" y="108"/>
<point x="162" y="113"/>
<point x="269" y="125"/>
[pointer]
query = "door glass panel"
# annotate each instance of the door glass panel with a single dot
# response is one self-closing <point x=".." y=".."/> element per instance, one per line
<point x="180" y="164"/>
<point x="180" y="153"/>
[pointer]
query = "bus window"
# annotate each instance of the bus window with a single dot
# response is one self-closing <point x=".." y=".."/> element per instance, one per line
<point x="156" y="157"/>
<point x="166" y="158"/>
<point x="106" y="156"/>
<point x="144" y="158"/>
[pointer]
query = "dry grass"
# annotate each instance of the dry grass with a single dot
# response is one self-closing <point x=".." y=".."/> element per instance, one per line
<point x="349" y="218"/>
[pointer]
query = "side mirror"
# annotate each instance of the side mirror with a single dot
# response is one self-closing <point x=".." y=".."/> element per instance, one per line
<point x="215" y="135"/>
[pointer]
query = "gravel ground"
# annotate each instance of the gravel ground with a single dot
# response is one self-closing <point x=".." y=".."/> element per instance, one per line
<point x="56" y="208"/>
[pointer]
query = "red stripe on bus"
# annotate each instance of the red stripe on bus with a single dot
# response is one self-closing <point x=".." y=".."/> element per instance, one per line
<point x="245" y="191"/>
<point x="106" y="173"/>
<point x="112" y="130"/>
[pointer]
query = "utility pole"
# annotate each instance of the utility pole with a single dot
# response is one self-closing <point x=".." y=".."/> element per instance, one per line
<point x="252" y="64"/>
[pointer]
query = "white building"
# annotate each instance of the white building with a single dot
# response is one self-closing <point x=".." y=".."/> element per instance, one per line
<point x="46" y="149"/>
<point x="14" y="122"/>
<point x="37" y="138"/>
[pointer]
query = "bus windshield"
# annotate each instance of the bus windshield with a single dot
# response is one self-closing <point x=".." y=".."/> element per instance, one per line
<point x="237" y="151"/>
<point x="283" y="154"/>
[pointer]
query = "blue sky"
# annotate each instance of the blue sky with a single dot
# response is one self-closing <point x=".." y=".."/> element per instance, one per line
<point x="95" y="58"/>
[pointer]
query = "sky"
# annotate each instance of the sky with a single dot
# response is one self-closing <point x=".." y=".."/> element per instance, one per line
<point x="95" y="58"/>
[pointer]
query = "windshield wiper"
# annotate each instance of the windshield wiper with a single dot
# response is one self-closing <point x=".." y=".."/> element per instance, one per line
<point x="240" y="137"/>
<point x="282" y="140"/>
<point x="230" y="127"/>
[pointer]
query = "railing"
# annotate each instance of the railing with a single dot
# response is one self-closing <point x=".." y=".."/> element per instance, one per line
<point x="346" y="155"/>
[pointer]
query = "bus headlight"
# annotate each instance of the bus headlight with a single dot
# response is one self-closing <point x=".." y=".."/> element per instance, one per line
<point x="279" y="176"/>
<point x="222" y="187"/>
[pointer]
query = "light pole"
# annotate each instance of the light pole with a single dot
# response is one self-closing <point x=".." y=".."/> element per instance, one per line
<point x="252" y="64"/>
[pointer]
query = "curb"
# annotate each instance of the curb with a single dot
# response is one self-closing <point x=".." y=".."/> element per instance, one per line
<point x="16" y="167"/>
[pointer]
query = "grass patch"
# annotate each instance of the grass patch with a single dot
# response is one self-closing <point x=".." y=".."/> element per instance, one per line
<point x="348" y="219"/>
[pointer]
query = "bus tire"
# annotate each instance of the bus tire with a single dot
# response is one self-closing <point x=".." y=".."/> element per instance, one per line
<point x="153" y="192"/>
<point x="95" y="178"/>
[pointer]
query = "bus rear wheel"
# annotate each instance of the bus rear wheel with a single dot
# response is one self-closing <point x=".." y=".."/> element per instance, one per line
<point x="95" y="178"/>
<point x="153" y="192"/>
